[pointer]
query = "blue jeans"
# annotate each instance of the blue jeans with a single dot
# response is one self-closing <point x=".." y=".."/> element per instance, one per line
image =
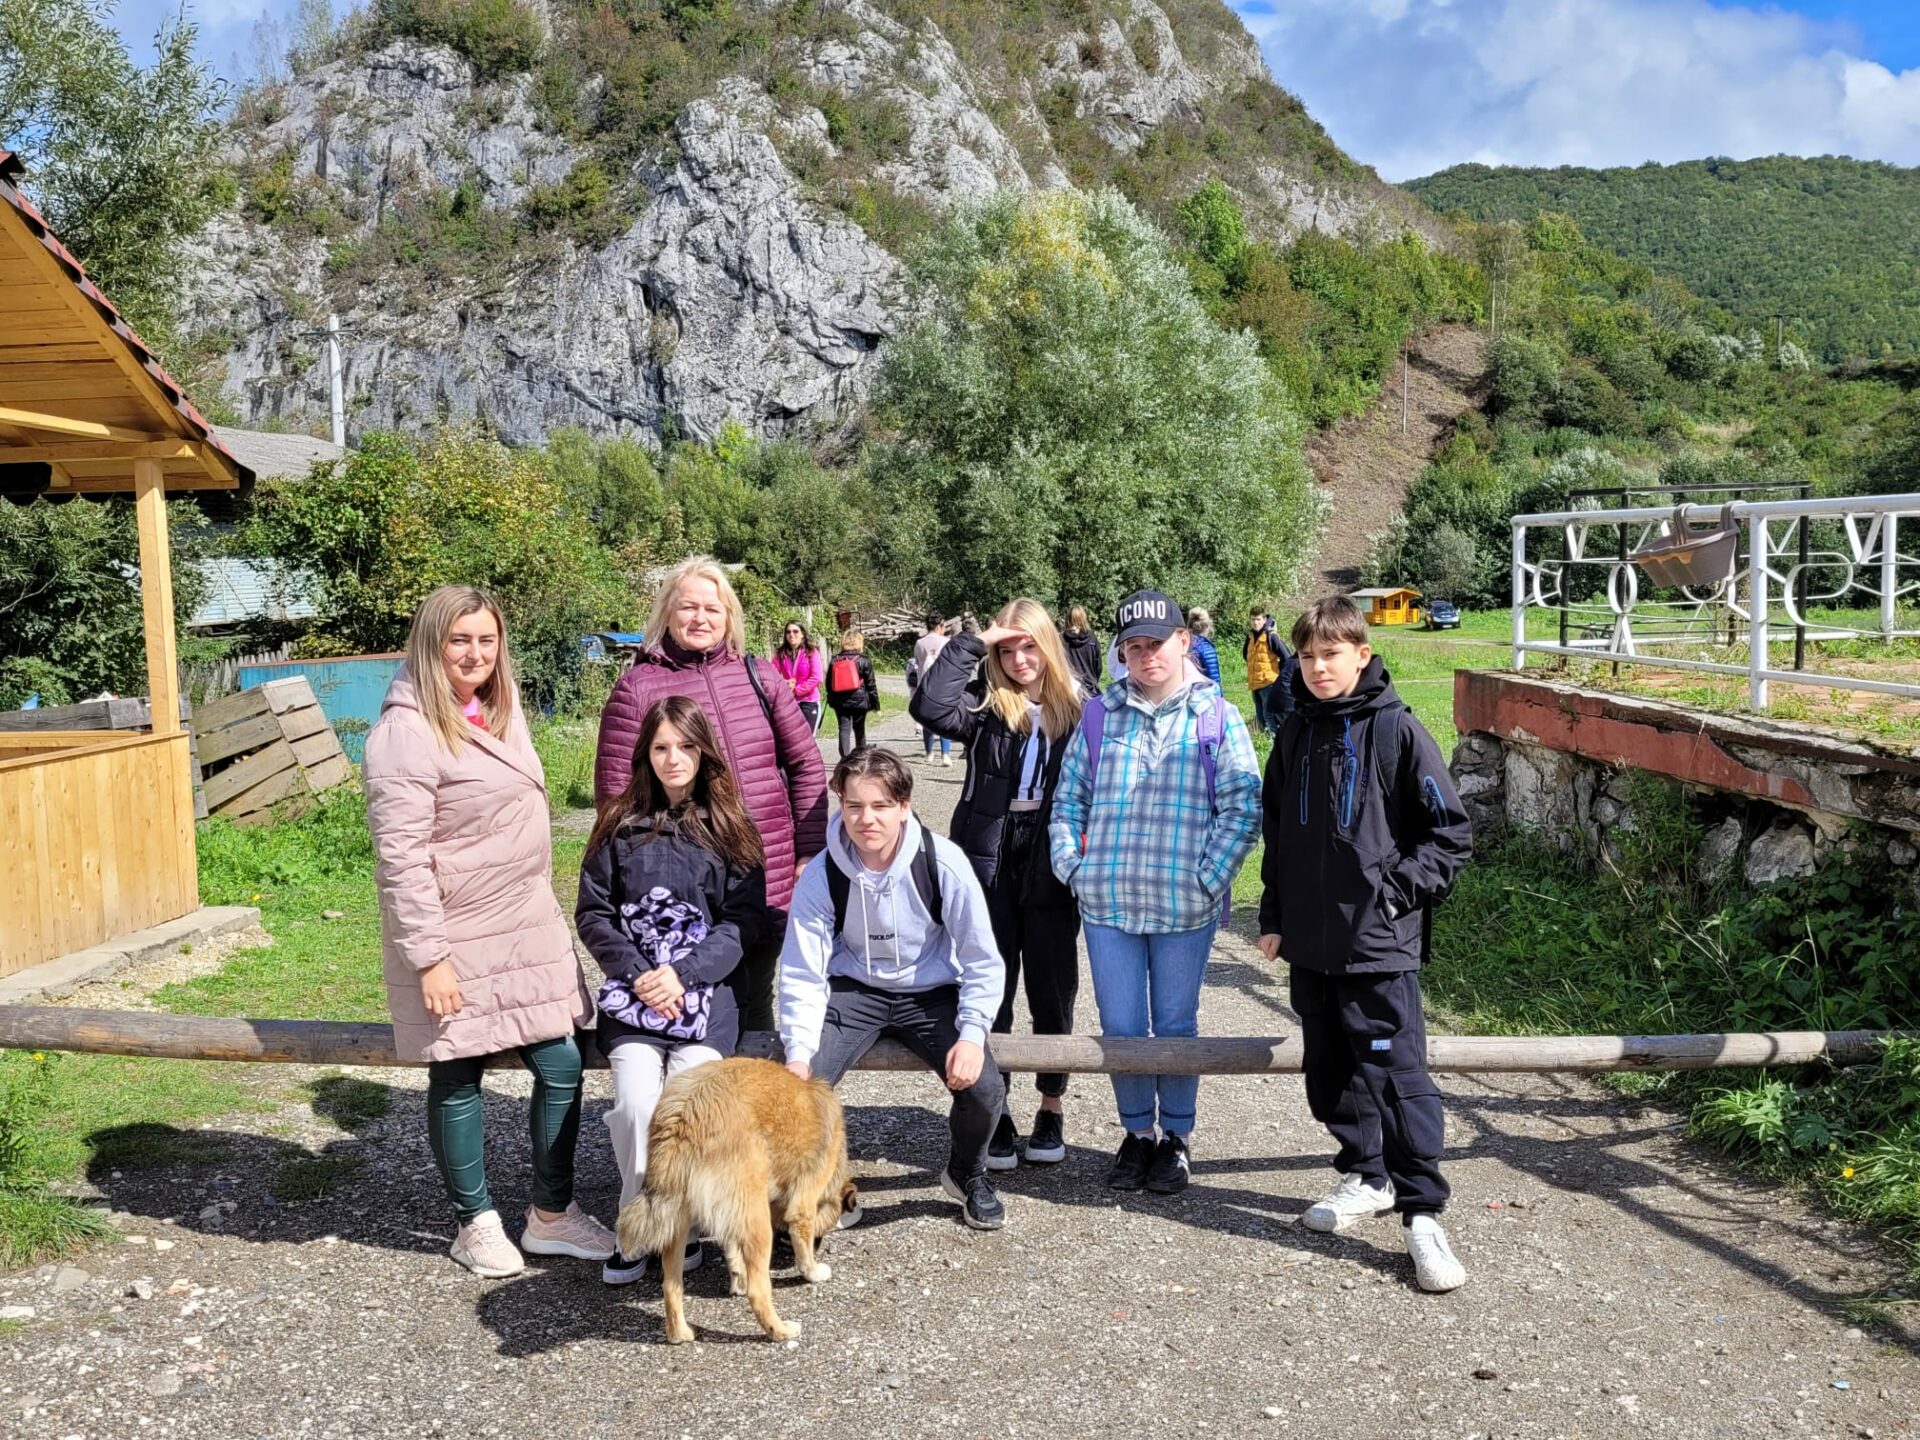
<point x="1150" y="985"/>
<point x="928" y="737"/>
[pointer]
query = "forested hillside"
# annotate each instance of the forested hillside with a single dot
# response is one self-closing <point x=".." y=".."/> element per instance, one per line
<point x="1830" y="244"/>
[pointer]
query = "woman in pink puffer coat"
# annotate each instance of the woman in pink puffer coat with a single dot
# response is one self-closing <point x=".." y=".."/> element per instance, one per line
<point x="697" y="647"/>
<point x="478" y="955"/>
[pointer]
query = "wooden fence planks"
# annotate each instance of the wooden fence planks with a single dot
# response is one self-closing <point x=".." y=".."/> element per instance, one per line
<point x="266" y="745"/>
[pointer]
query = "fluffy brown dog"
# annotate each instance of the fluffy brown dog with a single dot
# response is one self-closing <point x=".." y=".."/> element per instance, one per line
<point x="736" y="1147"/>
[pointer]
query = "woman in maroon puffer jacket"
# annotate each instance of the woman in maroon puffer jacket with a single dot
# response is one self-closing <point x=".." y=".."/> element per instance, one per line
<point x="698" y="649"/>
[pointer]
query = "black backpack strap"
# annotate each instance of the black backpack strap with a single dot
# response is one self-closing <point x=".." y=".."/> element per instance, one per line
<point x="1386" y="751"/>
<point x="839" y="887"/>
<point x="926" y="880"/>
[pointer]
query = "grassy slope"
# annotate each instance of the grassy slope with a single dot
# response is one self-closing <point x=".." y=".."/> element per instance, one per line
<point x="1832" y="244"/>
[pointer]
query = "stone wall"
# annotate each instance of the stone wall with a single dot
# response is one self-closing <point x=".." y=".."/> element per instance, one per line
<point x="1775" y="799"/>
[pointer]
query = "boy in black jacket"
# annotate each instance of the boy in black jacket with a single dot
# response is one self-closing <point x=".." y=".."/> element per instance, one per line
<point x="1364" y="833"/>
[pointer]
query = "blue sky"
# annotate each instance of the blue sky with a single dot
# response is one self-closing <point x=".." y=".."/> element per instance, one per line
<point x="1410" y="86"/>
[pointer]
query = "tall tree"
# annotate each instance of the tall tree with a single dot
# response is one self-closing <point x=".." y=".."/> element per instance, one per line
<point x="121" y="158"/>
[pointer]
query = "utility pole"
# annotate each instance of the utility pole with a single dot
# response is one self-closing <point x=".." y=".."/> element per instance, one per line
<point x="336" y="400"/>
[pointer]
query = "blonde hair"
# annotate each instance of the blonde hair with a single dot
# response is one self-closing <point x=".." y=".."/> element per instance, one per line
<point x="698" y="567"/>
<point x="1199" y="621"/>
<point x="1060" y="699"/>
<point x="427" y="666"/>
<point x="1077" y="617"/>
<point x="852" y="640"/>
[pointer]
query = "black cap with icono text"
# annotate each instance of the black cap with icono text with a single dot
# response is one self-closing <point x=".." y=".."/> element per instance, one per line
<point x="1149" y="613"/>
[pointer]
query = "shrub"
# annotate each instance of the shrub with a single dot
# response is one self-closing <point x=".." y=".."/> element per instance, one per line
<point x="497" y="37"/>
<point x="1072" y="420"/>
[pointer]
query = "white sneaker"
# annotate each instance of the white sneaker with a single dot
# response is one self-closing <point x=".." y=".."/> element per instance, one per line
<point x="483" y="1247"/>
<point x="1350" y="1202"/>
<point x="946" y="759"/>
<point x="575" y="1233"/>
<point x="1434" y="1266"/>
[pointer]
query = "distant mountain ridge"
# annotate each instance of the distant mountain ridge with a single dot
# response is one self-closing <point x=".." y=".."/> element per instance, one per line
<point x="1831" y="244"/>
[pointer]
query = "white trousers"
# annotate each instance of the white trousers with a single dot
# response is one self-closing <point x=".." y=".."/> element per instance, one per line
<point x="640" y="1071"/>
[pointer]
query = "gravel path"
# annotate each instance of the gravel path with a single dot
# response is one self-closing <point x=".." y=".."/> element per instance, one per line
<point x="1622" y="1285"/>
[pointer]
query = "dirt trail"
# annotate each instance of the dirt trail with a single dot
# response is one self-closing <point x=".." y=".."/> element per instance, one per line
<point x="1366" y="465"/>
<point x="1622" y="1283"/>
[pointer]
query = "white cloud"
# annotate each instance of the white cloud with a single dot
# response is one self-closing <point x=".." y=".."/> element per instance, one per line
<point x="1411" y="86"/>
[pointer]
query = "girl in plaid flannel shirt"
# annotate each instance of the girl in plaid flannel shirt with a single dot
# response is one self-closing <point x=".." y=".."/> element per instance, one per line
<point x="1148" y="831"/>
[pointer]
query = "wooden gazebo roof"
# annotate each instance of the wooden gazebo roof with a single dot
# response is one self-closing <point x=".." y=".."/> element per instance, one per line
<point x="81" y="395"/>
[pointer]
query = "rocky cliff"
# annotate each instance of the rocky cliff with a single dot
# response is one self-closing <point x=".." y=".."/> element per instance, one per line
<point x="736" y="267"/>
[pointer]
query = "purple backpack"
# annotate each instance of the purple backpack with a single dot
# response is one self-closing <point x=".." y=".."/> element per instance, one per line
<point x="1213" y="725"/>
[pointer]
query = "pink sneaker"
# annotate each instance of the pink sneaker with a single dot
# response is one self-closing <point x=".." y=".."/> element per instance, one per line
<point x="575" y="1233"/>
<point x="483" y="1247"/>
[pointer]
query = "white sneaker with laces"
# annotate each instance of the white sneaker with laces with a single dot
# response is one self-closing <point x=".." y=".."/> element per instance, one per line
<point x="575" y="1234"/>
<point x="1349" y="1202"/>
<point x="483" y="1247"/>
<point x="1434" y="1265"/>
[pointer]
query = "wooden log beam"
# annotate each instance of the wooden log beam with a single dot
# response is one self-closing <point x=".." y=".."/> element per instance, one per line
<point x="330" y="1042"/>
<point x="67" y="425"/>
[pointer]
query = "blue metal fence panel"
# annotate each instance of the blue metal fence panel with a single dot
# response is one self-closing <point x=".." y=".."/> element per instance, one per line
<point x="349" y="690"/>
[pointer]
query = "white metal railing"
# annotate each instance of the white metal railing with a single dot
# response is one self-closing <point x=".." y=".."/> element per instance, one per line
<point x="1771" y="573"/>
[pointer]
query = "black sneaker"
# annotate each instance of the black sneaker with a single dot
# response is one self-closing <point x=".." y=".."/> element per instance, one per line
<point x="1169" y="1173"/>
<point x="1130" y="1166"/>
<point x="1046" y="1145"/>
<point x="1003" y="1151"/>
<point x="619" y="1270"/>
<point x="979" y="1206"/>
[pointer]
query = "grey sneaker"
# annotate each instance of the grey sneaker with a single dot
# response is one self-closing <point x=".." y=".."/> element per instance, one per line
<point x="483" y="1247"/>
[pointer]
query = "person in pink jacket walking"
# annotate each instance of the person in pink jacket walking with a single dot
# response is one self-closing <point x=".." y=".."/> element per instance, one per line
<point x="477" y="953"/>
<point x="802" y="665"/>
<point x="697" y="647"/>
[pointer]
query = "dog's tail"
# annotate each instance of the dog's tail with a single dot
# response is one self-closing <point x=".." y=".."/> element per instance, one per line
<point x="662" y="1208"/>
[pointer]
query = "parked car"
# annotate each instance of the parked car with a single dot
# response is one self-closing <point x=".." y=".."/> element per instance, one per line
<point x="1443" y="615"/>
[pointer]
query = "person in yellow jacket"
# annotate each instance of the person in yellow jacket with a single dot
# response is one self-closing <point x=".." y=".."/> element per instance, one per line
<point x="1270" y="671"/>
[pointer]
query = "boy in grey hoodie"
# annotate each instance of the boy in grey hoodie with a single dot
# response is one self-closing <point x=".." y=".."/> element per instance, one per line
<point x="888" y="936"/>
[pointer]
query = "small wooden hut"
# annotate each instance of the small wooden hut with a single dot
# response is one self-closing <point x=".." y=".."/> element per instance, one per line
<point x="1391" y="605"/>
<point x="97" y="826"/>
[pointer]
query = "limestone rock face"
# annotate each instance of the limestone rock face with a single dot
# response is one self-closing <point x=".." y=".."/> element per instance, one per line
<point x="732" y="289"/>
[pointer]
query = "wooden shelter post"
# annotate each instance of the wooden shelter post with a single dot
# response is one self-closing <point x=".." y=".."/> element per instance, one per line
<point x="156" y="595"/>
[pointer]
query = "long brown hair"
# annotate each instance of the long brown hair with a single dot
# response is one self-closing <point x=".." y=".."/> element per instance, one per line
<point x="716" y="817"/>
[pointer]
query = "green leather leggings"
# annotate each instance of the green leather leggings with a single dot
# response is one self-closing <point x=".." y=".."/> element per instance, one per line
<point x="456" y="1125"/>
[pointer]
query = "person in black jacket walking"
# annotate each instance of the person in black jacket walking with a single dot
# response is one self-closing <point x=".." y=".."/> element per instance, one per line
<point x="1083" y="648"/>
<point x="1015" y="715"/>
<point x="852" y="691"/>
<point x="673" y="891"/>
<point x="1364" y="833"/>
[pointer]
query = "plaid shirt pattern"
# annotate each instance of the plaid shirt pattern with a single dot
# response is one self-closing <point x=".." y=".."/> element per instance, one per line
<point x="1157" y="859"/>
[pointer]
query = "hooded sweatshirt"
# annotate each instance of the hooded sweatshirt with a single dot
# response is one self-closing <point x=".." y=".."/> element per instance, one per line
<point x="1083" y="654"/>
<point x="890" y="941"/>
<point x="1349" y="865"/>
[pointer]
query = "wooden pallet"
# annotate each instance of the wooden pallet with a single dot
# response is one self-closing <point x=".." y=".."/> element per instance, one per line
<point x="264" y="746"/>
<point x="129" y="713"/>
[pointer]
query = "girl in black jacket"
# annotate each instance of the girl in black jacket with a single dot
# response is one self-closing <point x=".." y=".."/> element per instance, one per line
<point x="672" y="892"/>
<point x="852" y="704"/>
<point x="1015" y="720"/>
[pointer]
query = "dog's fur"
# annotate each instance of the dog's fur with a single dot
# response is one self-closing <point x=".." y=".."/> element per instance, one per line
<point x="737" y="1147"/>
